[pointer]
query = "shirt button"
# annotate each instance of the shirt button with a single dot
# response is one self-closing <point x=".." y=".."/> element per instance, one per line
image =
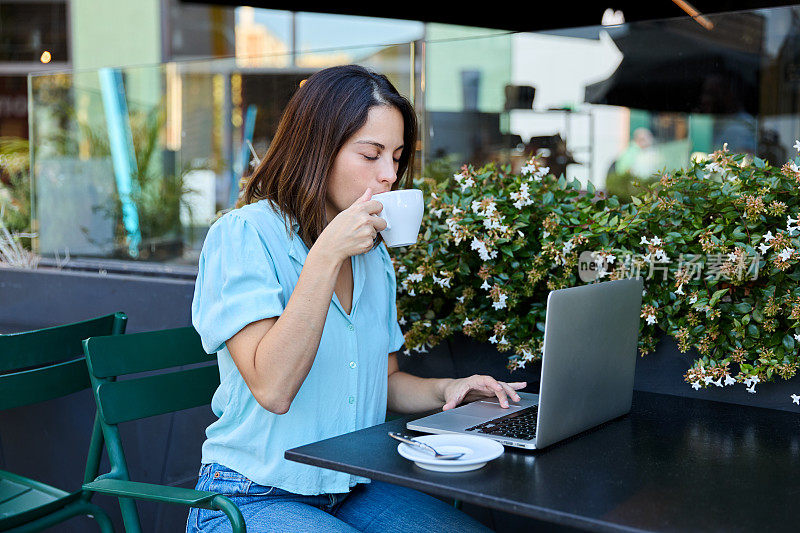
<point x="351" y="399"/>
<point x="352" y="364"/>
<point x="350" y="327"/>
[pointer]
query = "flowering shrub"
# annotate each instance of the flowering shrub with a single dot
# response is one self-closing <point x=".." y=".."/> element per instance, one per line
<point x="723" y="228"/>
<point x="716" y="243"/>
<point x="492" y="245"/>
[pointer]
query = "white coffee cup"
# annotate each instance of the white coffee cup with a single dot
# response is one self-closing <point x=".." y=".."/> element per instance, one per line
<point x="402" y="211"/>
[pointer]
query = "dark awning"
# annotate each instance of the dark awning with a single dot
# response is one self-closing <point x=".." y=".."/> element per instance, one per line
<point x="678" y="65"/>
<point x="526" y="16"/>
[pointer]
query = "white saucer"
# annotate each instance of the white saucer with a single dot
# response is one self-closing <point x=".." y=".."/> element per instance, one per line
<point x="477" y="452"/>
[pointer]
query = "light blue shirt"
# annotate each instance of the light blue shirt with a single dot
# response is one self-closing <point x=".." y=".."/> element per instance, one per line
<point x="248" y="269"/>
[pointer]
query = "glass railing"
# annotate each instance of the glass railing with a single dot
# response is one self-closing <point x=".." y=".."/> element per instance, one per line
<point x="135" y="163"/>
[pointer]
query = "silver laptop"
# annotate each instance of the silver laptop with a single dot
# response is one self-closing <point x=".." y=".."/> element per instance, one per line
<point x="590" y="344"/>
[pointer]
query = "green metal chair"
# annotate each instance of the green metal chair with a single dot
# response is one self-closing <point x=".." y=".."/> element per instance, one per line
<point x="43" y="365"/>
<point x="137" y="397"/>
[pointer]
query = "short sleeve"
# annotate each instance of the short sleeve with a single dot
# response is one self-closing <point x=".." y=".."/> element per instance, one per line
<point x="396" y="339"/>
<point x="236" y="282"/>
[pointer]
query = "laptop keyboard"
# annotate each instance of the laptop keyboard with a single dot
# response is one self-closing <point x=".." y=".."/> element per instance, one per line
<point x="518" y="425"/>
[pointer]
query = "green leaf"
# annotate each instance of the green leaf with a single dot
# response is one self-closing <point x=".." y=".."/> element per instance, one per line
<point x="743" y="307"/>
<point x="759" y="163"/>
<point x="788" y="342"/>
<point x="716" y="296"/>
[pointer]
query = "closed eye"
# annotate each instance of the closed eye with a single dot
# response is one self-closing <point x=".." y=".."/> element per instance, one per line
<point x="376" y="158"/>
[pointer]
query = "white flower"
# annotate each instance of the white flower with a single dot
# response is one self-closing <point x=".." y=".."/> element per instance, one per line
<point x="696" y="385"/>
<point x="493" y="339"/>
<point x="797" y="337"/>
<point x="486" y="285"/>
<point x="718" y="382"/>
<point x="680" y="289"/>
<point x="651" y="319"/>
<point x="797" y="147"/>
<point x="693" y="299"/>
<point x="662" y="256"/>
<point x="752" y="389"/>
<point x="796" y="399"/>
<point x="790" y="221"/>
<point x="528" y="169"/>
<point x="412" y="293"/>
<point x="501" y="303"/>
<point x="460" y="299"/>
<point x="768" y="236"/>
<point x="707" y="379"/>
<point x="444" y="281"/>
<point x="729" y="380"/>
<point x="467" y="184"/>
<point x="785" y="254"/>
<point x="402" y="321"/>
<point x="764" y="248"/>
<point x="644" y="241"/>
<point x="467" y="322"/>
<point x="458" y="177"/>
<point x="656" y="241"/>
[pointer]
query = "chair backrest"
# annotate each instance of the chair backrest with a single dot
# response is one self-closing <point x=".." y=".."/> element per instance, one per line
<point x="49" y="363"/>
<point x="133" y="398"/>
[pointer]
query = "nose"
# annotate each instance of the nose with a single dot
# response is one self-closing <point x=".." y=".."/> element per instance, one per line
<point x="387" y="174"/>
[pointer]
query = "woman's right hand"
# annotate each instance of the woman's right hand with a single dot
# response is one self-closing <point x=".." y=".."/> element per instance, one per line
<point x="353" y="231"/>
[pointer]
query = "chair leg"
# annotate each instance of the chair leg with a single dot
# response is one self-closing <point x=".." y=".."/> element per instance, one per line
<point x="101" y="517"/>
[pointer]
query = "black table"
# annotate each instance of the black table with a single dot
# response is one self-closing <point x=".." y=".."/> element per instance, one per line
<point x="671" y="464"/>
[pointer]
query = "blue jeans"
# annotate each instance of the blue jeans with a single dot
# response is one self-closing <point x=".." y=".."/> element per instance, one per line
<point x="375" y="506"/>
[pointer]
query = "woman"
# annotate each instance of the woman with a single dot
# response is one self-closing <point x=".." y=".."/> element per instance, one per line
<point x="296" y="294"/>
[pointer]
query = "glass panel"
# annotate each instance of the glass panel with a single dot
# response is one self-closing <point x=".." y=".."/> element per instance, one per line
<point x="136" y="163"/>
<point x="610" y="103"/>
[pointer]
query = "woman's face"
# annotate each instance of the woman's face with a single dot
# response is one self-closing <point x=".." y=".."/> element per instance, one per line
<point x="368" y="159"/>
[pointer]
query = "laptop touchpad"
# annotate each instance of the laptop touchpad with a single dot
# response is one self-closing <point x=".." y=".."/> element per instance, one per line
<point x="487" y="409"/>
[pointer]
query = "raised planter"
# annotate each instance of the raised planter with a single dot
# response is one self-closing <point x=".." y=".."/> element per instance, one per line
<point x="154" y="297"/>
<point x="661" y="372"/>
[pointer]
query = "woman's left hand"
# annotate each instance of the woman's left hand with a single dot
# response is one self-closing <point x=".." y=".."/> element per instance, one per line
<point x="476" y="387"/>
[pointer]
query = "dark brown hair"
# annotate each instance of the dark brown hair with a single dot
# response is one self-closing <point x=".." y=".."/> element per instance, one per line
<point x="323" y="113"/>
